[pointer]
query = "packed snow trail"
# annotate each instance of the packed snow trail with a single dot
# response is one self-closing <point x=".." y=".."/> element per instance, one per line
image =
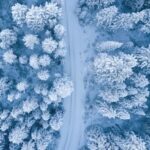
<point x="73" y="128"/>
<point x="72" y="132"/>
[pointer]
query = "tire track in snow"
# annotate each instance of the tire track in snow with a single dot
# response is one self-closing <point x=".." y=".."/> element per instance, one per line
<point x="72" y="131"/>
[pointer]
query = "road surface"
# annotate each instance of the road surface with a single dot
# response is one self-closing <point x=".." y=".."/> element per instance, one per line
<point x="72" y="132"/>
<point x="73" y="127"/>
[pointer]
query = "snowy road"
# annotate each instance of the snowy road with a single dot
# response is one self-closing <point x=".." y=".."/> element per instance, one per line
<point x="73" y="128"/>
<point x="72" y="132"/>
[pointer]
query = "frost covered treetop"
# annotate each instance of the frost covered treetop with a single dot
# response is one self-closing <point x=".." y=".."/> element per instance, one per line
<point x="8" y="37"/>
<point x="108" y="46"/>
<point x="49" y="45"/>
<point x="114" y="68"/>
<point x="35" y="18"/>
<point x="19" y="13"/>
<point x="63" y="87"/>
<point x="30" y="41"/>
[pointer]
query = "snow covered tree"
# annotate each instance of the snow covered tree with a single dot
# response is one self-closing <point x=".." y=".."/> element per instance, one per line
<point x="6" y="124"/>
<point x="44" y="60"/>
<point x="13" y="146"/>
<point x="16" y="96"/>
<point x="59" y="31"/>
<point x="109" y="111"/>
<point x="52" y="97"/>
<point x="35" y="18"/>
<point x="18" y="134"/>
<point x="121" y="91"/>
<point x="139" y="80"/>
<point x="109" y="17"/>
<point x="4" y="114"/>
<point x="29" y="100"/>
<point x="49" y="45"/>
<point x="145" y="27"/>
<point x="109" y="68"/>
<point x="99" y="3"/>
<point x="53" y="13"/>
<point x="23" y="60"/>
<point x="56" y="121"/>
<point x="133" y="142"/>
<point x="108" y="46"/>
<point x="42" y="138"/>
<point x="30" y="41"/>
<point x="137" y="92"/>
<point x="41" y="89"/>
<point x="104" y="17"/>
<point x="142" y="55"/>
<point x="34" y="61"/>
<point x="52" y="10"/>
<point x="29" y="105"/>
<point x="134" y="5"/>
<point x="95" y="139"/>
<point x="16" y="111"/>
<point x="43" y="106"/>
<point x="113" y="93"/>
<point x="22" y="86"/>
<point x="63" y="87"/>
<point x="88" y="8"/>
<point x="4" y="85"/>
<point x="28" y="146"/>
<point x="19" y="13"/>
<point x="43" y="75"/>
<point x="126" y="21"/>
<point x="42" y="144"/>
<point x="8" y="37"/>
<point x="61" y="51"/>
<point x="9" y="57"/>
<point x="2" y="141"/>
<point x="121" y="100"/>
<point x="45" y="115"/>
<point x="11" y="96"/>
<point x="102" y="139"/>
<point x="37" y="114"/>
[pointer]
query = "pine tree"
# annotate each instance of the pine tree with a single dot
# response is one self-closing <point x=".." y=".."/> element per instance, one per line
<point x="8" y="37"/>
<point x="35" y="18"/>
<point x="19" y="13"/>
<point x="63" y="87"/>
<point x="104" y="17"/>
<point x="18" y="134"/>
<point x="30" y="41"/>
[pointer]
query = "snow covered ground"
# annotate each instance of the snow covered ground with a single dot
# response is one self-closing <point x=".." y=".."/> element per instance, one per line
<point x="77" y="41"/>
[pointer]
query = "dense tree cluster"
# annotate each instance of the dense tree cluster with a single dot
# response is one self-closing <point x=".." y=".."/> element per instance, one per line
<point x="115" y="20"/>
<point x="36" y="18"/>
<point x="118" y="76"/>
<point x="104" y="139"/>
<point x="143" y="55"/>
<point x="109" y="16"/>
<point x="88" y="8"/>
<point x="121" y="90"/>
<point x="32" y="84"/>
<point x="120" y="79"/>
